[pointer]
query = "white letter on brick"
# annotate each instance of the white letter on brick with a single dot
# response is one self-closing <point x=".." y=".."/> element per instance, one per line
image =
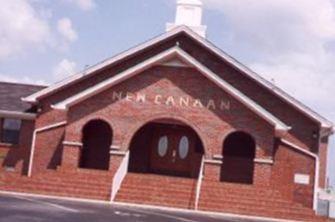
<point x="198" y="103"/>
<point x="117" y="96"/>
<point x="157" y="99"/>
<point x="184" y="101"/>
<point x="211" y="104"/>
<point x="225" y="105"/>
<point x="170" y="101"/>
<point x="141" y="98"/>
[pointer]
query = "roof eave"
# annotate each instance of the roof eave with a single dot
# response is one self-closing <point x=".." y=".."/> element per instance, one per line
<point x="29" y="100"/>
<point x="17" y="115"/>
<point x="175" y="51"/>
<point x="34" y="98"/>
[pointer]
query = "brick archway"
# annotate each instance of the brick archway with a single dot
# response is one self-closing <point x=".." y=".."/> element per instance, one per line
<point x="166" y="146"/>
<point x="239" y="151"/>
<point x="97" y="139"/>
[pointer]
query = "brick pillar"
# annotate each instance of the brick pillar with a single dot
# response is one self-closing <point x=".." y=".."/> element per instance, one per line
<point x="262" y="172"/>
<point x="115" y="162"/>
<point x="212" y="170"/>
<point x="71" y="155"/>
<point x="116" y="158"/>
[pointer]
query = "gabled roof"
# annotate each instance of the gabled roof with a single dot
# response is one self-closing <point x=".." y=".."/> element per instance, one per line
<point x="185" y="58"/>
<point x="243" y="69"/>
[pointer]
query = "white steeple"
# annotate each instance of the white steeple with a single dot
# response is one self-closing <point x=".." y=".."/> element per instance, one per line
<point x="189" y="13"/>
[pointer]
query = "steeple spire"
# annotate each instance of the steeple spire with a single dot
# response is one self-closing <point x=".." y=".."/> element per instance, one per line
<point x="189" y="13"/>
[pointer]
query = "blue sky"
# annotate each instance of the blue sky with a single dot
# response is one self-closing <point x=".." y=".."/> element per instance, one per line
<point x="43" y="41"/>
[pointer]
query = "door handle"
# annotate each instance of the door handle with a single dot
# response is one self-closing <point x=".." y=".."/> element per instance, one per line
<point x="174" y="154"/>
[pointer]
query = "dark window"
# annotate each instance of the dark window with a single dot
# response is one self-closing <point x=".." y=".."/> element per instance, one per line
<point x="239" y="151"/>
<point x="10" y="131"/>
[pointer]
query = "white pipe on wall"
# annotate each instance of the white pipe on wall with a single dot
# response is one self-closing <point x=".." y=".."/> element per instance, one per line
<point x="32" y="150"/>
<point x="317" y="168"/>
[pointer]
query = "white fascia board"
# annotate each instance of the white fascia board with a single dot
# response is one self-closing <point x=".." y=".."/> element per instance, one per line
<point x="279" y="125"/>
<point x="17" y="115"/>
<point x="277" y="91"/>
<point x="114" y="80"/>
<point x="175" y="51"/>
<point x="324" y="123"/>
<point x="56" y="87"/>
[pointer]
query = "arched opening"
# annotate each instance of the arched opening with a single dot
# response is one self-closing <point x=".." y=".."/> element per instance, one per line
<point x="97" y="139"/>
<point x="239" y="151"/>
<point x="166" y="147"/>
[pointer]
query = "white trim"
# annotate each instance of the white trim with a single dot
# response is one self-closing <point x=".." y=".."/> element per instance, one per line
<point x="56" y="87"/>
<point x="89" y="71"/>
<point x="175" y="63"/>
<point x="144" y="206"/>
<point x="267" y="84"/>
<point x="18" y="115"/>
<point x="218" y="157"/>
<point x="32" y="150"/>
<point x="115" y="147"/>
<point x="219" y="162"/>
<point x="119" y="176"/>
<point x="174" y="51"/>
<point x="317" y="167"/>
<point x="199" y="183"/>
<point x="118" y="153"/>
<point x="69" y="143"/>
<point x="263" y="161"/>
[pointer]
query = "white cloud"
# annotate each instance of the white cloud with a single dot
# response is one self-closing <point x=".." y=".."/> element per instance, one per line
<point x="83" y="4"/>
<point x="64" y="27"/>
<point x="24" y="79"/>
<point x="25" y="28"/>
<point x="21" y="27"/>
<point x="64" y="69"/>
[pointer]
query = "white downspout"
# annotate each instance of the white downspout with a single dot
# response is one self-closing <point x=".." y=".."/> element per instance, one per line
<point x="317" y="167"/>
<point x="119" y="176"/>
<point x="32" y="149"/>
<point x="199" y="183"/>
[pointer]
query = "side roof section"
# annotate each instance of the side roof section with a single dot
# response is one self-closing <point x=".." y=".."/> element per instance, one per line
<point x="11" y="94"/>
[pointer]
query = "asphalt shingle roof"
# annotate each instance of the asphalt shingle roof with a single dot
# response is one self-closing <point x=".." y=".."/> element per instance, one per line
<point x="11" y="94"/>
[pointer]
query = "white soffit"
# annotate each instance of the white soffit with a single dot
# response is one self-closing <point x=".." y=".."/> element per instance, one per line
<point x="245" y="70"/>
<point x="166" y="56"/>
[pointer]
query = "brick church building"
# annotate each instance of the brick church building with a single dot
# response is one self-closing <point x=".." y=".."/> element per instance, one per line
<point x="173" y="122"/>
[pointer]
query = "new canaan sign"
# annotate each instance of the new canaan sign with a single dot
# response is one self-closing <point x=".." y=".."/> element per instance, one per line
<point x="168" y="100"/>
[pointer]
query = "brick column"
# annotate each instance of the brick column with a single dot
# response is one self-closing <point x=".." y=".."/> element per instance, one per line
<point x="116" y="157"/>
<point x="212" y="170"/>
<point x="71" y="155"/>
<point x="262" y="172"/>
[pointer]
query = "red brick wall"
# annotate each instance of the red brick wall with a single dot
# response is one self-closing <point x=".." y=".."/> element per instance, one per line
<point x="287" y="163"/>
<point x="48" y="150"/>
<point x="212" y="126"/>
<point x="17" y="155"/>
<point x="303" y="127"/>
<point x="48" y="144"/>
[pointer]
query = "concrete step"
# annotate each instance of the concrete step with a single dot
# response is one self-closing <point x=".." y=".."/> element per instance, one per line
<point x="158" y="190"/>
